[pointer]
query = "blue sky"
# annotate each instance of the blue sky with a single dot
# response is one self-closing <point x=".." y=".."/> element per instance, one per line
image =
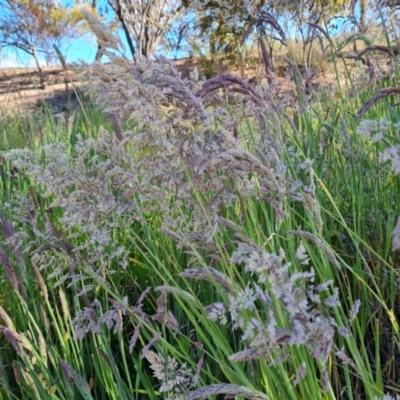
<point x="78" y="49"/>
<point x="84" y="48"/>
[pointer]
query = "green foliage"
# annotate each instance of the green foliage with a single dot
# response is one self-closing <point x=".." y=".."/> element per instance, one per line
<point x="324" y="7"/>
<point x="33" y="26"/>
<point x="191" y="249"/>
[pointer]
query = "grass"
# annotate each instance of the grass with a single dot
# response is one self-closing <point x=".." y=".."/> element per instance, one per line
<point x="77" y="320"/>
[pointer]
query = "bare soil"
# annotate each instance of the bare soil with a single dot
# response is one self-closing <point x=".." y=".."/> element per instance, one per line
<point x="20" y="87"/>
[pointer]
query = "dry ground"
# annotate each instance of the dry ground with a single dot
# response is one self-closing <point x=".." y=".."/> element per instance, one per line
<point x="20" y="92"/>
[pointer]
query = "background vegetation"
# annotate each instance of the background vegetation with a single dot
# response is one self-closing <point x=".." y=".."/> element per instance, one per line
<point x="192" y="238"/>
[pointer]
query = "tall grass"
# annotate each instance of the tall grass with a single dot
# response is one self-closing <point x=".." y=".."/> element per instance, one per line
<point x="188" y="249"/>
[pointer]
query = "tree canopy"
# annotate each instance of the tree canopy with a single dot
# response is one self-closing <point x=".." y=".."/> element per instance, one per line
<point x="145" y="22"/>
<point x="34" y="26"/>
<point x="225" y="21"/>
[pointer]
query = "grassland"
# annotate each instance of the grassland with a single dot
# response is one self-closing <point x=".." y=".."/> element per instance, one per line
<point x="158" y="242"/>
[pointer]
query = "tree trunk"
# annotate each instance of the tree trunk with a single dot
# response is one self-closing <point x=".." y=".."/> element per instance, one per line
<point x="118" y="11"/>
<point x="99" y="53"/>
<point x="363" y="12"/>
<point x="353" y="11"/>
<point x="128" y="38"/>
<point x="41" y="75"/>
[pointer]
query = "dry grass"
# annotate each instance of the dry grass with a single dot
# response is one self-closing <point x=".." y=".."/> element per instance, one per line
<point x="20" y="92"/>
<point x="19" y="88"/>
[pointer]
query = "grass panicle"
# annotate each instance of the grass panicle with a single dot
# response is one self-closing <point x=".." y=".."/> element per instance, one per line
<point x="166" y="242"/>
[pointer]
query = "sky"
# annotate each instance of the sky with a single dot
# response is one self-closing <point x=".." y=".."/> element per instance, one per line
<point x="84" y="48"/>
<point x="79" y="49"/>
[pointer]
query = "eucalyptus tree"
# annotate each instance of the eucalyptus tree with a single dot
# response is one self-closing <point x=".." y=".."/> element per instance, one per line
<point x="34" y="26"/>
<point x="226" y="21"/>
<point x="145" y="22"/>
